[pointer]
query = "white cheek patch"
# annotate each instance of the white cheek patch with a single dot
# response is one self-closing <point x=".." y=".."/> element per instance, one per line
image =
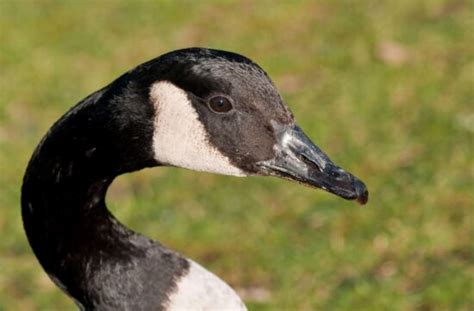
<point x="201" y="290"/>
<point x="180" y="139"/>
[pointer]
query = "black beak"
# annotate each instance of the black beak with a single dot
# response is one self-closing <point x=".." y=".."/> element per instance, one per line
<point x="298" y="159"/>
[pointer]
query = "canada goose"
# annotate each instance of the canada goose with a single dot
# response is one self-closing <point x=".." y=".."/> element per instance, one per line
<point x="196" y="108"/>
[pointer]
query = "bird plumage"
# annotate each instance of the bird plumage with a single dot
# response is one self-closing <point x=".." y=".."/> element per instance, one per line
<point x="158" y="114"/>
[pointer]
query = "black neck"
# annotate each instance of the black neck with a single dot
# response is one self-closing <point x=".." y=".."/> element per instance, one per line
<point x="63" y="195"/>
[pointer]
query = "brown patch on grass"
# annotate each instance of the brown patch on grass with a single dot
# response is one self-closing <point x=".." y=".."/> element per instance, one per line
<point x="393" y="53"/>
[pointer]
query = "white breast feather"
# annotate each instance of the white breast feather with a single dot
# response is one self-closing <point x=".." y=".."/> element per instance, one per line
<point x="200" y="290"/>
<point x="179" y="138"/>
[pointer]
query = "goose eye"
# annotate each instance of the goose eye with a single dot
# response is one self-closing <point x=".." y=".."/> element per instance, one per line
<point x="220" y="104"/>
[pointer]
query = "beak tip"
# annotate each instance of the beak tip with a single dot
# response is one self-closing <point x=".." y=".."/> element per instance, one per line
<point x="361" y="192"/>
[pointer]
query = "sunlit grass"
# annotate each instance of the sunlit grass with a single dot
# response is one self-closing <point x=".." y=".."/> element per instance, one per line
<point x="385" y="88"/>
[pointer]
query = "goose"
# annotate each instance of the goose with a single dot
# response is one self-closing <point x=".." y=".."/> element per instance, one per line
<point x="196" y="108"/>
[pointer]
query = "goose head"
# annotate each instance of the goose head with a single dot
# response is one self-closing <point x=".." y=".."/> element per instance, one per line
<point x="219" y="112"/>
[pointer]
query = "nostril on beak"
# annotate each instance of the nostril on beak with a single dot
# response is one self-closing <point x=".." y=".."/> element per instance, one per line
<point x="310" y="163"/>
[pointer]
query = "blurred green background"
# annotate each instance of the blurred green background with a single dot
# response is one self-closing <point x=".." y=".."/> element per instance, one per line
<point x="385" y="88"/>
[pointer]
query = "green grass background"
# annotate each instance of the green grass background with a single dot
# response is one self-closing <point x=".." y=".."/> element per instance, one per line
<point x="386" y="88"/>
